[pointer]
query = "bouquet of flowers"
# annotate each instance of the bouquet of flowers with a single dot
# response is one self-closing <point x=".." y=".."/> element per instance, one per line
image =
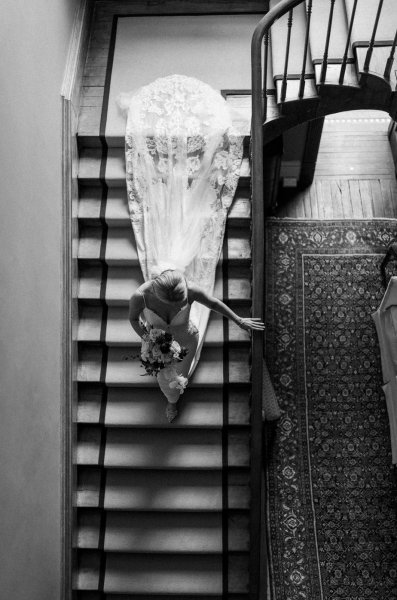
<point x="159" y="350"/>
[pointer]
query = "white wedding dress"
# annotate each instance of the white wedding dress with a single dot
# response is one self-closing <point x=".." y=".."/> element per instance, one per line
<point x="183" y="158"/>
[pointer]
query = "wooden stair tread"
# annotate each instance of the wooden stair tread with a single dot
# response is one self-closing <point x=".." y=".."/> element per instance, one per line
<point x="375" y="75"/>
<point x="200" y="407"/>
<point x="123" y="368"/>
<point x="120" y="247"/>
<point x="158" y="574"/>
<point x="161" y="448"/>
<point x="279" y="42"/>
<point x="174" y="575"/>
<point x="119" y="331"/>
<point x="318" y="31"/>
<point x="177" y="491"/>
<point x="333" y="73"/>
<point x="90" y="165"/>
<point x="365" y="18"/>
<point x="122" y="282"/>
<point x="116" y="139"/>
<point x="116" y="211"/>
<point x="162" y="533"/>
<point x="232" y="596"/>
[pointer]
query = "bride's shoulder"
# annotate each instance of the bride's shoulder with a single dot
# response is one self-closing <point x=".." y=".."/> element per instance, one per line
<point x="194" y="292"/>
<point x="140" y="293"/>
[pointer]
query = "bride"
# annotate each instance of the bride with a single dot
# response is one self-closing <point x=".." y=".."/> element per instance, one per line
<point x="165" y="303"/>
<point x="183" y="159"/>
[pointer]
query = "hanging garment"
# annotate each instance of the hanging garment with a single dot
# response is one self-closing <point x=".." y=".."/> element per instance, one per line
<point x="385" y="319"/>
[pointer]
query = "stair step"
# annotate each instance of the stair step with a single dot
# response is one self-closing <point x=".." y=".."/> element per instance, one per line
<point x="175" y="575"/>
<point x="173" y="491"/>
<point x="161" y="448"/>
<point x="121" y="283"/>
<point x="114" y="140"/>
<point x="142" y="408"/>
<point x="123" y="368"/>
<point x="96" y="596"/>
<point x="279" y="42"/>
<point x="377" y="66"/>
<point x="362" y="33"/>
<point x="318" y="31"/>
<point x="337" y="43"/>
<point x="199" y="533"/>
<point x="365" y="18"/>
<point x="120" y="333"/>
<point x="116" y="210"/>
<point x="119" y="248"/>
<point x="90" y="165"/>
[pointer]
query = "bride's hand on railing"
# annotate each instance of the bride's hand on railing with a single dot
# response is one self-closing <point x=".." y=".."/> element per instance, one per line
<point x="251" y="323"/>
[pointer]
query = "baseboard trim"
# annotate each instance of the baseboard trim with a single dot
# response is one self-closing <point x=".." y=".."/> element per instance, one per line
<point x="70" y="96"/>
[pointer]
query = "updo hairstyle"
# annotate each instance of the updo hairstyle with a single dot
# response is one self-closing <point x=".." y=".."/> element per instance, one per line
<point x="170" y="286"/>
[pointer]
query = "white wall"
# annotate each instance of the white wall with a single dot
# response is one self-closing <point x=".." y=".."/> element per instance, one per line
<point x="34" y="38"/>
<point x="213" y="48"/>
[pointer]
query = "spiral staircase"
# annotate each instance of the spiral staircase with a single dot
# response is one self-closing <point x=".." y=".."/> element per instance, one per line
<point x="175" y="511"/>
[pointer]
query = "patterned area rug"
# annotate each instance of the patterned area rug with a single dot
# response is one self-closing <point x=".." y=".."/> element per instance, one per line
<point x="331" y="486"/>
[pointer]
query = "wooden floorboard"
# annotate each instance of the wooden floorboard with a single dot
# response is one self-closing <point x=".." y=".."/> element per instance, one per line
<point x="355" y="175"/>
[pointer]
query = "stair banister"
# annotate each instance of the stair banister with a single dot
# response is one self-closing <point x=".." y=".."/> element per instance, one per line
<point x="372" y="40"/>
<point x="390" y="60"/>
<point x="261" y="36"/>
<point x="305" y="51"/>
<point x="327" y="40"/>
<point x="259" y="104"/>
<point x="347" y="46"/>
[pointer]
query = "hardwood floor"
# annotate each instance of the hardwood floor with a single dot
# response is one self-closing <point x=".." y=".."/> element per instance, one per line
<point x="355" y="175"/>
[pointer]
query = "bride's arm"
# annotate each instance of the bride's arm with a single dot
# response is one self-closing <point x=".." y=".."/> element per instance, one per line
<point x="198" y="295"/>
<point x="136" y="307"/>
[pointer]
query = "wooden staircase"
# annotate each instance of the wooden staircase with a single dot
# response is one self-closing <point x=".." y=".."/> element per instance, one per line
<point x="322" y="57"/>
<point x="162" y="510"/>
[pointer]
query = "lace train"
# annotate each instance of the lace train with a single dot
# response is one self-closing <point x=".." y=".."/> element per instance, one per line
<point x="183" y="159"/>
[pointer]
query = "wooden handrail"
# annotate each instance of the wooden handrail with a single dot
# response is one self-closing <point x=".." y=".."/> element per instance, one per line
<point x="259" y="104"/>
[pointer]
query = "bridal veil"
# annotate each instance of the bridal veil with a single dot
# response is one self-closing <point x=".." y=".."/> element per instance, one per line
<point x="183" y="159"/>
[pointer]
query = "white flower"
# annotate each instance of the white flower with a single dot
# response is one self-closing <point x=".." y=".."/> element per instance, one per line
<point x="179" y="383"/>
<point x="175" y="347"/>
<point x="155" y="333"/>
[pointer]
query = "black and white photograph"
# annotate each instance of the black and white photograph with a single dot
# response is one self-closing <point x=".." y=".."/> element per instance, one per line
<point x="198" y="366"/>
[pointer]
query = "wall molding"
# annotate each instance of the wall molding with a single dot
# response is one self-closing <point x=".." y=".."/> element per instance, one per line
<point x="70" y="97"/>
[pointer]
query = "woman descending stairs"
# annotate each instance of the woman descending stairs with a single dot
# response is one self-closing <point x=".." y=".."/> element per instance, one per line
<point x="162" y="509"/>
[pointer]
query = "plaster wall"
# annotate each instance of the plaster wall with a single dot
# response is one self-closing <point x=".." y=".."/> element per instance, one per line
<point x="34" y="39"/>
<point x="213" y="48"/>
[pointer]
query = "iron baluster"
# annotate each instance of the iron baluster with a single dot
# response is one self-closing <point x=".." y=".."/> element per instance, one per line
<point x="349" y="33"/>
<point x="390" y="60"/>
<point x="302" y="80"/>
<point x="325" y="57"/>
<point x="265" y="61"/>
<point x="372" y="41"/>
<point x="284" y="85"/>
